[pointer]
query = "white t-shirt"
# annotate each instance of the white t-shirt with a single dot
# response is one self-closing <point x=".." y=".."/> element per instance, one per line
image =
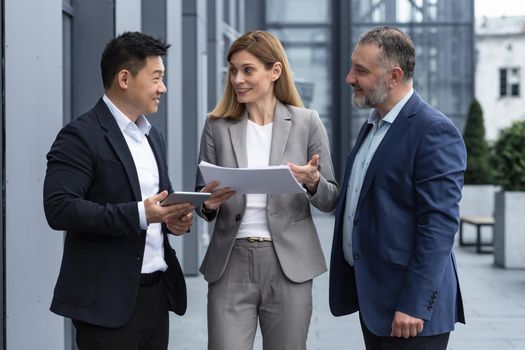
<point x="258" y="142"/>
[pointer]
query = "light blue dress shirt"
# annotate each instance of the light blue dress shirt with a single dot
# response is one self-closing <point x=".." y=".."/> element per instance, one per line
<point x="360" y="166"/>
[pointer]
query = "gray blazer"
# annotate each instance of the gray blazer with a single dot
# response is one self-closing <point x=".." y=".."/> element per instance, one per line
<point x="297" y="135"/>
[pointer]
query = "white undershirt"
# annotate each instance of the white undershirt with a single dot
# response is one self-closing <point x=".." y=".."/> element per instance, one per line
<point x="258" y="142"/>
<point x="148" y="173"/>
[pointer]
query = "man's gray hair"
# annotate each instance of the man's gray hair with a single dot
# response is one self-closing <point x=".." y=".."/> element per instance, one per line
<point x="396" y="47"/>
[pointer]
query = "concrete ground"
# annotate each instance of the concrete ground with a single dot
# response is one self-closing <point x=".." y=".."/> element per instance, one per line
<point x="494" y="301"/>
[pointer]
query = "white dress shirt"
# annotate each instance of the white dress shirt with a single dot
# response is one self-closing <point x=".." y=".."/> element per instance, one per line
<point x="148" y="174"/>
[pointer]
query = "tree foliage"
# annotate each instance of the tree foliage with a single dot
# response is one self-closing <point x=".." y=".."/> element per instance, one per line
<point x="479" y="169"/>
<point x="509" y="157"/>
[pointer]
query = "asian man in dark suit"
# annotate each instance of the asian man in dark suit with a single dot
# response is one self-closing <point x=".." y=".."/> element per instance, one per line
<point x="106" y="175"/>
<point x="397" y="213"/>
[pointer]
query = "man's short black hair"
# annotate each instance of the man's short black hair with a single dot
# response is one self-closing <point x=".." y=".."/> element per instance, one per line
<point x="129" y="51"/>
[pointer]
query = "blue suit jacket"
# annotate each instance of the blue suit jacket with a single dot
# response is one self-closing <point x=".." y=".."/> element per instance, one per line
<point x="404" y="226"/>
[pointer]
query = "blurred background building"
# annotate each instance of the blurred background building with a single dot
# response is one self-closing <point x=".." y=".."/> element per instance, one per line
<point x="500" y="64"/>
<point x="50" y="74"/>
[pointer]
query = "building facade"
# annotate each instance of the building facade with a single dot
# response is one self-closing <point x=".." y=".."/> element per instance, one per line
<point x="500" y="71"/>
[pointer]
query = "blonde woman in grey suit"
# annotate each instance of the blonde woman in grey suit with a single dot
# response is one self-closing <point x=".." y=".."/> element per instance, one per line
<point x="264" y="251"/>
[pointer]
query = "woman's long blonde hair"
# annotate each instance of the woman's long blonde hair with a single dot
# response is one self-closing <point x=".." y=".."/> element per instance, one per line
<point x="269" y="50"/>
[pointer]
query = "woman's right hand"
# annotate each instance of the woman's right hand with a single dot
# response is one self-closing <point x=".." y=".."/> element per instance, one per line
<point x="218" y="195"/>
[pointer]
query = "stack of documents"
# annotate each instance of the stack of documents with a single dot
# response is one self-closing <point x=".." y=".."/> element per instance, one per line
<point x="270" y="179"/>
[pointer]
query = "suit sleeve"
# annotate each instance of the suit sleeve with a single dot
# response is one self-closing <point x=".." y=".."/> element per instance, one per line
<point x="71" y="172"/>
<point x="438" y="179"/>
<point x="207" y="154"/>
<point x="325" y="198"/>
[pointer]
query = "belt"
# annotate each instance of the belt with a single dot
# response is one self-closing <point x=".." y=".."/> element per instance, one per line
<point x="150" y="279"/>
<point x="257" y="239"/>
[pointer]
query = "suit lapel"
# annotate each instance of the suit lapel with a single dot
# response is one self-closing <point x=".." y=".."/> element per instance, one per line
<point x="280" y="131"/>
<point x="350" y="162"/>
<point x="238" y="140"/>
<point x="119" y="145"/>
<point x="393" y="135"/>
<point x="156" y="147"/>
<point x="282" y="122"/>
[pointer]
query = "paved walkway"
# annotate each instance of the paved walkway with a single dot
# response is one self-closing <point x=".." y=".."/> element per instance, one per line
<point x="494" y="305"/>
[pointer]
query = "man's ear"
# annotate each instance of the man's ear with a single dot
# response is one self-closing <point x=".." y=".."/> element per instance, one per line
<point x="123" y="78"/>
<point x="276" y="70"/>
<point x="396" y="76"/>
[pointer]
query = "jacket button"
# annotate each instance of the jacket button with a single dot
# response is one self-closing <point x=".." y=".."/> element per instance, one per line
<point x="137" y="258"/>
<point x="238" y="217"/>
<point x="356" y="221"/>
<point x="429" y="308"/>
<point x="356" y="256"/>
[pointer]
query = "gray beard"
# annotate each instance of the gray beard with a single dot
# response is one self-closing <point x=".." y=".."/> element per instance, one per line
<point x="372" y="99"/>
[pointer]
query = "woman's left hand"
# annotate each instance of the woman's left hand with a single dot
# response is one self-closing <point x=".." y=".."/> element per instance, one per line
<point x="307" y="174"/>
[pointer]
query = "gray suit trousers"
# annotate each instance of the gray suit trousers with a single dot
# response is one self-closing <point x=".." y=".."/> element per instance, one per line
<point x="254" y="288"/>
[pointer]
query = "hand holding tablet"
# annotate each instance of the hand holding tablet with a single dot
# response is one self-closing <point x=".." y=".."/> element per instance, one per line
<point x="177" y="197"/>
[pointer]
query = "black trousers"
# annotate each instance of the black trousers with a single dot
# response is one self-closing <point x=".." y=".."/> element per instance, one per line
<point x="147" y="329"/>
<point x="374" y="342"/>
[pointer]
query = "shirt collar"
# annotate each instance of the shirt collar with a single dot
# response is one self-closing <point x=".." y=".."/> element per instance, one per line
<point x="124" y="123"/>
<point x="373" y="118"/>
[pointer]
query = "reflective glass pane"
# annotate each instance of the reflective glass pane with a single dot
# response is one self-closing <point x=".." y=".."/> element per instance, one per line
<point x="308" y="52"/>
<point x="298" y="11"/>
<point x="413" y="11"/>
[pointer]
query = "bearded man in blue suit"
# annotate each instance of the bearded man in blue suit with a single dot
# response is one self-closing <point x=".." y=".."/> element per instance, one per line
<point x="398" y="212"/>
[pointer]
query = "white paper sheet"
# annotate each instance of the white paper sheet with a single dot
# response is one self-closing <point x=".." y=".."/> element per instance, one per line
<point x="270" y="179"/>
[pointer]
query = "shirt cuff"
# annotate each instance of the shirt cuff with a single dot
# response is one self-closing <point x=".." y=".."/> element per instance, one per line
<point x="142" y="216"/>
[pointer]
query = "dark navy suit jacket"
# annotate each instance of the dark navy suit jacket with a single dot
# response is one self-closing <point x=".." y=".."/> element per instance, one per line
<point x="91" y="190"/>
<point x="404" y="227"/>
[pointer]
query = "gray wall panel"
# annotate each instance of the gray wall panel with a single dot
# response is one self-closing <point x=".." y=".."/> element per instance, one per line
<point x="174" y="121"/>
<point x="33" y="111"/>
<point x="194" y="107"/>
<point x="213" y="44"/>
<point x="255" y="15"/>
<point x="2" y="192"/>
<point x="93" y="27"/>
<point x="154" y="23"/>
<point x="128" y="15"/>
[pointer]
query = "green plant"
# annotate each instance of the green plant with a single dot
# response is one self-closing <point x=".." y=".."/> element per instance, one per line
<point x="509" y="157"/>
<point x="479" y="170"/>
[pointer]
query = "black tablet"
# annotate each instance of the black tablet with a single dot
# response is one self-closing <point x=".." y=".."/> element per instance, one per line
<point x="195" y="198"/>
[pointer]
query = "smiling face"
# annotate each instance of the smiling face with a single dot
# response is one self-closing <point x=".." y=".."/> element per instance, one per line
<point x="250" y="79"/>
<point x="368" y="77"/>
<point x="144" y="89"/>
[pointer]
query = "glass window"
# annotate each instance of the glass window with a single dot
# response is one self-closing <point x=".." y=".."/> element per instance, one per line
<point x="304" y="28"/>
<point x="515" y="90"/>
<point x="509" y="82"/>
<point x="298" y="11"/>
<point x="410" y="11"/>
<point x="503" y="82"/>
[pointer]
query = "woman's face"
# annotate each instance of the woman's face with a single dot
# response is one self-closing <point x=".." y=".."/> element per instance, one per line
<point x="250" y="79"/>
